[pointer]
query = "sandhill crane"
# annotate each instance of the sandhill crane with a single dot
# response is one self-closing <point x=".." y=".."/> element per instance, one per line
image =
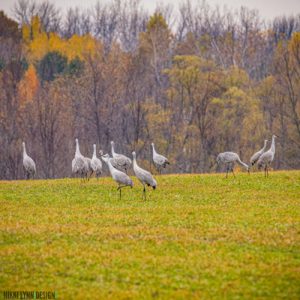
<point x="229" y="159"/>
<point x="28" y="164"/>
<point x="79" y="163"/>
<point x="266" y="158"/>
<point x="159" y="160"/>
<point x="120" y="177"/>
<point x="119" y="161"/>
<point x="143" y="176"/>
<point x="96" y="163"/>
<point x="257" y="155"/>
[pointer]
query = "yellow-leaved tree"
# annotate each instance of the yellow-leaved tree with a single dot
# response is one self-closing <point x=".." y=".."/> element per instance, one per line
<point x="37" y="43"/>
<point x="28" y="86"/>
<point x="194" y="83"/>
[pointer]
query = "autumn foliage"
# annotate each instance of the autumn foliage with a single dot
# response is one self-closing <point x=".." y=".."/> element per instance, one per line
<point x="196" y="89"/>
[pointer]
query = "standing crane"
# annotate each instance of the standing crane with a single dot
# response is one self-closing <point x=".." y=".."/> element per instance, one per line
<point x="119" y="161"/>
<point x="254" y="158"/>
<point x="79" y="164"/>
<point x="28" y="164"/>
<point x="120" y="177"/>
<point x="159" y="160"/>
<point x="143" y="176"/>
<point x="96" y="163"/>
<point x="266" y="158"/>
<point x="228" y="159"/>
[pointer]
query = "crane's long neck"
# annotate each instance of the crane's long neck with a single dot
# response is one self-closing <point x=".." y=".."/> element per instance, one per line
<point x="94" y="153"/>
<point x="112" y="149"/>
<point x="265" y="146"/>
<point x="273" y="145"/>
<point x="134" y="163"/>
<point x="24" y="151"/>
<point x="77" y="149"/>
<point x="154" y="149"/>
<point x="242" y="163"/>
<point x="110" y="166"/>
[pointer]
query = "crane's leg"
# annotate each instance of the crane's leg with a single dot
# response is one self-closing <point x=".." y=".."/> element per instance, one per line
<point x="232" y="172"/>
<point x="120" y="190"/>
<point x="227" y="170"/>
<point x="144" y="192"/>
<point x="265" y="169"/>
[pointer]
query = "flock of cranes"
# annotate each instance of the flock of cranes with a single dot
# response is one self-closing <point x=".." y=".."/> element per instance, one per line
<point x="119" y="164"/>
<point x="262" y="158"/>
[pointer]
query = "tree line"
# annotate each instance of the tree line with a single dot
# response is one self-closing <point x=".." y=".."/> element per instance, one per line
<point x="196" y="81"/>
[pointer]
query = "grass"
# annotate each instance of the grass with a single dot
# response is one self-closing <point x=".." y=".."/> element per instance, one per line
<point x="196" y="236"/>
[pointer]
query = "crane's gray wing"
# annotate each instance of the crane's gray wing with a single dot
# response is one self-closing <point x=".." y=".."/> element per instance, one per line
<point x="29" y="165"/>
<point x="145" y="176"/>
<point x="79" y="165"/>
<point x="122" y="160"/>
<point x="96" y="165"/>
<point x="160" y="159"/>
<point x="254" y="158"/>
<point x="228" y="158"/>
<point x="122" y="178"/>
<point x="265" y="158"/>
<point x="114" y="163"/>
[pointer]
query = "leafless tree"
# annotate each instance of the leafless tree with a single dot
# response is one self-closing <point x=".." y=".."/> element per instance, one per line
<point x="105" y="20"/>
<point x="49" y="15"/>
<point x="132" y="21"/>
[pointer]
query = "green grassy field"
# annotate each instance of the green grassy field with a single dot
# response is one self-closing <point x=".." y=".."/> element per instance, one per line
<point x="196" y="236"/>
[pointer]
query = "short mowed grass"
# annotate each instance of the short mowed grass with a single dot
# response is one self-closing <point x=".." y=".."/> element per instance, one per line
<point x="195" y="237"/>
